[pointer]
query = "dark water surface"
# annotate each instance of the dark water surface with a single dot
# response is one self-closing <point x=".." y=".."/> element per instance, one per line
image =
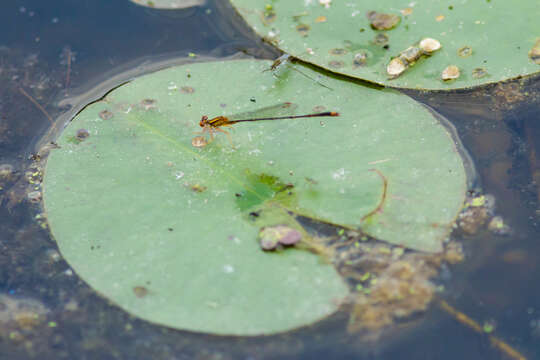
<point x="55" y="53"/>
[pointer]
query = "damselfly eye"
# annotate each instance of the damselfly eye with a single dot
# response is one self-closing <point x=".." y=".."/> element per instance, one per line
<point x="203" y="121"/>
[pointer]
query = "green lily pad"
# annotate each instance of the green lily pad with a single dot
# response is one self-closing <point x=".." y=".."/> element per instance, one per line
<point x="169" y="231"/>
<point x="488" y="41"/>
<point x="169" y="4"/>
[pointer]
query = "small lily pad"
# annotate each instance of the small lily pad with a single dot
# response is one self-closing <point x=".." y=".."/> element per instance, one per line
<point x="168" y="231"/>
<point x="502" y="34"/>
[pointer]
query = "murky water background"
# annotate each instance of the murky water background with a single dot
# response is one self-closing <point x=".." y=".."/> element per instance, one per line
<point x="53" y="53"/>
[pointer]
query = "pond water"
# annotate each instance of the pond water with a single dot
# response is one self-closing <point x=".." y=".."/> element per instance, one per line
<point x="58" y="55"/>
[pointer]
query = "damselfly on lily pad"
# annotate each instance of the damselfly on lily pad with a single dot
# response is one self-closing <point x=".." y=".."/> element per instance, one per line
<point x="169" y="231"/>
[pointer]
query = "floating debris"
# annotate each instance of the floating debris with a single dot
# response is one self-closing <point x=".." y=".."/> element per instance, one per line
<point x="338" y="51"/>
<point x="148" y="104"/>
<point x="360" y="59"/>
<point x="34" y="196"/>
<point x="439" y="18"/>
<point x="22" y="313"/>
<point x="409" y="56"/>
<point x="311" y="181"/>
<point x="269" y="237"/>
<point x="291" y="237"/>
<point x="82" y="134"/>
<point x="406" y="12"/>
<point x="6" y="172"/>
<point x="198" y="188"/>
<point x="336" y="64"/>
<point x="382" y="21"/>
<point x="381" y="39"/>
<point x="199" y="141"/>
<point x="475" y="214"/>
<point x="497" y="226"/>
<point x="453" y="253"/>
<point x="400" y="289"/>
<point x="429" y="45"/>
<point x="472" y="219"/>
<point x="479" y="73"/>
<point x="534" y="54"/>
<point x="450" y="73"/>
<point x="272" y="236"/>
<point x="396" y="67"/>
<point x="320" y="19"/>
<point x="507" y="95"/>
<point x="187" y="90"/>
<point x="140" y="291"/>
<point x="105" y="114"/>
<point x="269" y="15"/>
<point x="303" y="29"/>
<point x="465" y="51"/>
<point x="298" y="17"/>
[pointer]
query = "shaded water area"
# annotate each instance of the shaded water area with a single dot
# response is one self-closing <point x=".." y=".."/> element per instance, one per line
<point x="54" y="55"/>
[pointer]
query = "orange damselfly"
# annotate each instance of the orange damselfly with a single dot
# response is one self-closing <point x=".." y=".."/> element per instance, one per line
<point x="275" y="112"/>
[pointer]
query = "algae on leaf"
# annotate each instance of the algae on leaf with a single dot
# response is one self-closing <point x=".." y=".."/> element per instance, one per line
<point x="169" y="231"/>
<point x="348" y="38"/>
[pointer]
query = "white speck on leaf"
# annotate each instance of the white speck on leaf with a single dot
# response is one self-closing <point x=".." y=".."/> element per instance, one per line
<point x="339" y="174"/>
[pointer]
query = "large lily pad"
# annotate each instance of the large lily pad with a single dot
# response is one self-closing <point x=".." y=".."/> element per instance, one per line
<point x="168" y="231"/>
<point x="488" y="41"/>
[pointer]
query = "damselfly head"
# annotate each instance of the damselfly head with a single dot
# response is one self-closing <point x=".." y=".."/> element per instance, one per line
<point x="204" y="121"/>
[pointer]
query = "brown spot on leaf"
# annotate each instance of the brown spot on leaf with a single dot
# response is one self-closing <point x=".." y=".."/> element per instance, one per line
<point x="303" y="29"/>
<point x="479" y="73"/>
<point x="140" y="291"/>
<point x="82" y="134"/>
<point x="187" y="90"/>
<point x="360" y="59"/>
<point x="381" y="21"/>
<point x="465" y="51"/>
<point x="148" y="104"/>
<point x="338" y="51"/>
<point x="336" y="64"/>
<point x="381" y="39"/>
<point x="105" y="114"/>
<point x="198" y="188"/>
